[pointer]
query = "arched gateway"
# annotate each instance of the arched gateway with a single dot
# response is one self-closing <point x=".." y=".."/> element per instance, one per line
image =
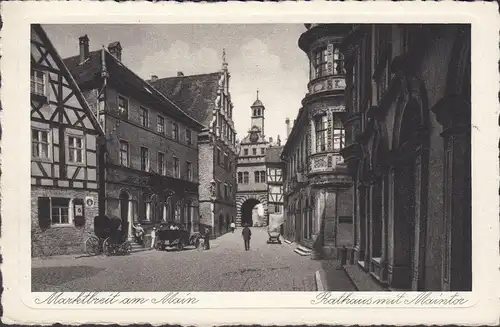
<point x="244" y="207"/>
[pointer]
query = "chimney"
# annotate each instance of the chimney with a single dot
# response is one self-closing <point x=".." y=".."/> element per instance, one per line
<point x="179" y="74"/>
<point x="115" y="48"/>
<point x="84" y="47"/>
<point x="288" y="129"/>
<point x="154" y="78"/>
<point x="270" y="140"/>
<point x="278" y="141"/>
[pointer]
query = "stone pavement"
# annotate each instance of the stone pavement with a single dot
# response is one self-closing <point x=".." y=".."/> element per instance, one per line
<point x="225" y="267"/>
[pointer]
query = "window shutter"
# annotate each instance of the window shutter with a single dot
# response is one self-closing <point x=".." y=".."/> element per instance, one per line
<point x="79" y="212"/>
<point x="44" y="218"/>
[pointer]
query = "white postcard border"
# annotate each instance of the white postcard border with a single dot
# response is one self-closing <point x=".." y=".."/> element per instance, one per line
<point x="261" y="307"/>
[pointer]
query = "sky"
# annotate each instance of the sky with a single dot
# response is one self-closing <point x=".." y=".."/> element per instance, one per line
<point x="260" y="56"/>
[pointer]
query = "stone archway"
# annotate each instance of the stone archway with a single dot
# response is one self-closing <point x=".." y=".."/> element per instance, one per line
<point x="244" y="205"/>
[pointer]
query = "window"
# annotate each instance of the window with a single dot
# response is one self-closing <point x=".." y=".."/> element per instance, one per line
<point x="230" y="190"/>
<point x="144" y="159"/>
<point x="245" y="177"/>
<point x="122" y="106"/>
<point x="176" y="168"/>
<point x="75" y="147"/>
<point x="189" y="168"/>
<point x="178" y="212"/>
<point x="38" y="82"/>
<point x="161" y="163"/>
<point x="257" y="177"/>
<point x="263" y="176"/>
<point x="321" y="133"/>
<point x="245" y="152"/>
<point x="262" y="151"/>
<point x="124" y="153"/>
<point x="254" y="151"/>
<point x="160" y="125"/>
<point x="175" y="131"/>
<point x="189" y="141"/>
<point x="144" y="117"/>
<point x="320" y="63"/>
<point x="240" y="177"/>
<point x="277" y="208"/>
<point x="338" y="62"/>
<point x="59" y="211"/>
<point x="338" y="139"/>
<point x="226" y="194"/>
<point x="226" y="160"/>
<point x="40" y="144"/>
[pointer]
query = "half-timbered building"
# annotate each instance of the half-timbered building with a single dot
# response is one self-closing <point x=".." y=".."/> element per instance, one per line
<point x="274" y="167"/>
<point x="408" y="133"/>
<point x="150" y="173"/>
<point x="64" y="161"/>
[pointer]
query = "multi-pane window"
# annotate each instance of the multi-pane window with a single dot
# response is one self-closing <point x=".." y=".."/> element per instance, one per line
<point x="175" y="131"/>
<point x="338" y="62"/>
<point x="37" y="82"/>
<point x="40" y="144"/>
<point x="262" y="151"/>
<point x="245" y="177"/>
<point x="338" y="138"/>
<point x="144" y="117"/>
<point x="59" y="211"/>
<point x="75" y="147"/>
<point x="161" y="164"/>
<point x="189" y="171"/>
<point x="321" y="133"/>
<point x="160" y="125"/>
<point x="257" y="177"/>
<point x="230" y="190"/>
<point x="176" y="168"/>
<point x="189" y="140"/>
<point x="245" y="152"/>
<point x="124" y="154"/>
<point x="240" y="177"/>
<point x="144" y="159"/>
<point x="254" y="151"/>
<point x="320" y="62"/>
<point x="123" y="106"/>
<point x="263" y="176"/>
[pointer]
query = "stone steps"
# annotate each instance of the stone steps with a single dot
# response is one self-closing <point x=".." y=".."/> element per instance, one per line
<point x="136" y="247"/>
<point x="302" y="250"/>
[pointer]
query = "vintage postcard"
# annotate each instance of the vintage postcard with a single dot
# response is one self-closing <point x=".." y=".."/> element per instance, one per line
<point x="284" y="163"/>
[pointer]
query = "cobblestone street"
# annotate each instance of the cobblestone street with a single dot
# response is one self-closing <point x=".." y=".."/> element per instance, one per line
<point x="225" y="267"/>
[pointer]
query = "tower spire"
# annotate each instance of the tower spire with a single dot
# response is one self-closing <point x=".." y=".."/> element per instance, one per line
<point x="257" y="94"/>
<point x="224" y="62"/>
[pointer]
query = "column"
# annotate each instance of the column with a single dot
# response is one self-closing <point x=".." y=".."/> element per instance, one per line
<point x="384" y="230"/>
<point x="130" y="218"/>
<point x="360" y="205"/>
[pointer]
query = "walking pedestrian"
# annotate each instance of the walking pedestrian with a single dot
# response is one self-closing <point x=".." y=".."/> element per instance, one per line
<point x="207" y="238"/>
<point x="233" y="227"/>
<point x="247" y="234"/>
<point x="153" y="238"/>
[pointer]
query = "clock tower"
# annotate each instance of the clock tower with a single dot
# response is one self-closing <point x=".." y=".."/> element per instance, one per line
<point x="258" y="114"/>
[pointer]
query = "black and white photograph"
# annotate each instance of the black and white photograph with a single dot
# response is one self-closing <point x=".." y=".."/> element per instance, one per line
<point x="226" y="157"/>
<point x="333" y="159"/>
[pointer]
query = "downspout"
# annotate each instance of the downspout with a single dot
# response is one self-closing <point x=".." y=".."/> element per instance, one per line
<point x="103" y="144"/>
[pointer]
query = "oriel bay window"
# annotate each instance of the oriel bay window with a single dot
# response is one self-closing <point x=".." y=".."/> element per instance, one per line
<point x="75" y="149"/>
<point x="321" y="124"/>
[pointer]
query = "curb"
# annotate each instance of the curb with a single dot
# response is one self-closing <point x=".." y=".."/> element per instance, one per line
<point x="319" y="282"/>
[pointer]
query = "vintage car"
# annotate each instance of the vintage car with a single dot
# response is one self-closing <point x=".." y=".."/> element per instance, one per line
<point x="175" y="236"/>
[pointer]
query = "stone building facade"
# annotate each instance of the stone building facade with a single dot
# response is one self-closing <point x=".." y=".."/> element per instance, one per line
<point x="65" y="136"/>
<point x="317" y="187"/>
<point x="207" y="98"/>
<point x="150" y="171"/>
<point x="409" y="153"/>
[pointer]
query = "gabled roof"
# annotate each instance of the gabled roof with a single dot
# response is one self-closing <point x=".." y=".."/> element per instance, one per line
<point x="196" y="94"/>
<point x="90" y="70"/>
<point x="273" y="154"/>
<point x="69" y="77"/>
